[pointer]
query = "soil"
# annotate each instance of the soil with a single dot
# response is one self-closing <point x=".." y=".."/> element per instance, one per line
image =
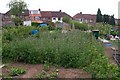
<point x="33" y="70"/>
<point x="109" y="53"/>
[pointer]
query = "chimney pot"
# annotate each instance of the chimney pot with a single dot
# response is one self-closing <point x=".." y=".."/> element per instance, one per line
<point x="39" y="9"/>
<point x="60" y="11"/>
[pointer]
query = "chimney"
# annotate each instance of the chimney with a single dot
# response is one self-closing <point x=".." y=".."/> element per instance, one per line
<point x="80" y="12"/>
<point x="60" y="11"/>
<point x="39" y="9"/>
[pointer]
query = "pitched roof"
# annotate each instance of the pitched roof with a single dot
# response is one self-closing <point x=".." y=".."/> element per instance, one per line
<point x="54" y="14"/>
<point x="24" y="13"/>
<point x="86" y="16"/>
<point x="46" y="14"/>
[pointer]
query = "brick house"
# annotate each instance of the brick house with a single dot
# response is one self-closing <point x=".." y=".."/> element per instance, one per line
<point x="85" y="18"/>
<point x="7" y="17"/>
<point x="36" y="16"/>
<point x="53" y="16"/>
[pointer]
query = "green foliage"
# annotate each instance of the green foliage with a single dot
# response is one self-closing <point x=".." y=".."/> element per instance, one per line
<point x="51" y="28"/>
<point x="106" y="19"/>
<point x="46" y="66"/>
<point x="100" y="68"/>
<point x="114" y="33"/>
<point x="17" y="71"/>
<point x="35" y="24"/>
<point x="48" y="75"/>
<point x="81" y="26"/>
<point x="70" y="50"/>
<point x="15" y="33"/>
<point x="17" y="21"/>
<point x="103" y="29"/>
<point x="99" y="16"/>
<point x="66" y="19"/>
<point x="112" y="20"/>
<point x="16" y="7"/>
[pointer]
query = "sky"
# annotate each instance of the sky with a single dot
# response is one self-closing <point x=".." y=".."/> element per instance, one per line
<point x="71" y="7"/>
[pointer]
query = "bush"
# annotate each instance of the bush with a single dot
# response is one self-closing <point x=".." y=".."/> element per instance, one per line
<point x="66" y="19"/>
<point x="81" y="26"/>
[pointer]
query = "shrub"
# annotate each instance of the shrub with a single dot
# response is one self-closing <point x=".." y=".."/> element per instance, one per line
<point x="81" y="26"/>
<point x="66" y="19"/>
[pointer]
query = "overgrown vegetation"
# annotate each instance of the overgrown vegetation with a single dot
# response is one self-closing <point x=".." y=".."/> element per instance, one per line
<point x="70" y="50"/>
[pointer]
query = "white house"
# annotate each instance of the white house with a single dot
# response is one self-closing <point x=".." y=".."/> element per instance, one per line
<point x="56" y="19"/>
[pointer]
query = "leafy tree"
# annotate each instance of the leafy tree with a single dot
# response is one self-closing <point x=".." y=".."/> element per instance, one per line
<point x="16" y="8"/>
<point x="106" y="18"/>
<point x="112" y="20"/>
<point x="99" y="16"/>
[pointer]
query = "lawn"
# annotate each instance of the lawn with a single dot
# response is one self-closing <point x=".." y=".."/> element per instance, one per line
<point x="69" y="50"/>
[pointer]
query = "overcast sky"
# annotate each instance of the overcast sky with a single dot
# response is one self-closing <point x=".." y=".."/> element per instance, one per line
<point x="71" y="7"/>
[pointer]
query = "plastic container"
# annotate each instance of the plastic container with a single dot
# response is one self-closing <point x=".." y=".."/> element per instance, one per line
<point x="108" y="44"/>
<point x="96" y="33"/>
<point x="34" y="31"/>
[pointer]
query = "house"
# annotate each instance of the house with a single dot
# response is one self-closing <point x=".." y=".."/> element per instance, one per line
<point x="0" y="19"/>
<point x="53" y="16"/>
<point x="29" y="16"/>
<point x="8" y="17"/>
<point x="47" y="16"/>
<point x="35" y="16"/>
<point x="85" y="18"/>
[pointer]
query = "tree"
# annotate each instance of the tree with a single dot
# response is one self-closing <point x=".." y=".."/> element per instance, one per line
<point x="106" y="18"/>
<point x="112" y="20"/>
<point x="99" y="16"/>
<point x="16" y="8"/>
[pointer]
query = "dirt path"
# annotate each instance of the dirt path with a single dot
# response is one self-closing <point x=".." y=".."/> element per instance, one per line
<point x="73" y="73"/>
<point x="33" y="70"/>
<point x="109" y="53"/>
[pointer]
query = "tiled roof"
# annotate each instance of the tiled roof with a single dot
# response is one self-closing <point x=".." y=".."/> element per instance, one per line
<point x="85" y="16"/>
<point x="54" y="14"/>
<point x="46" y="14"/>
<point x="25" y="13"/>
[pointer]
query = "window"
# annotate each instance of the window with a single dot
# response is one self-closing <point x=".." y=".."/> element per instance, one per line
<point x="37" y="18"/>
<point x="59" y="19"/>
<point x="54" y="18"/>
<point x="34" y="12"/>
